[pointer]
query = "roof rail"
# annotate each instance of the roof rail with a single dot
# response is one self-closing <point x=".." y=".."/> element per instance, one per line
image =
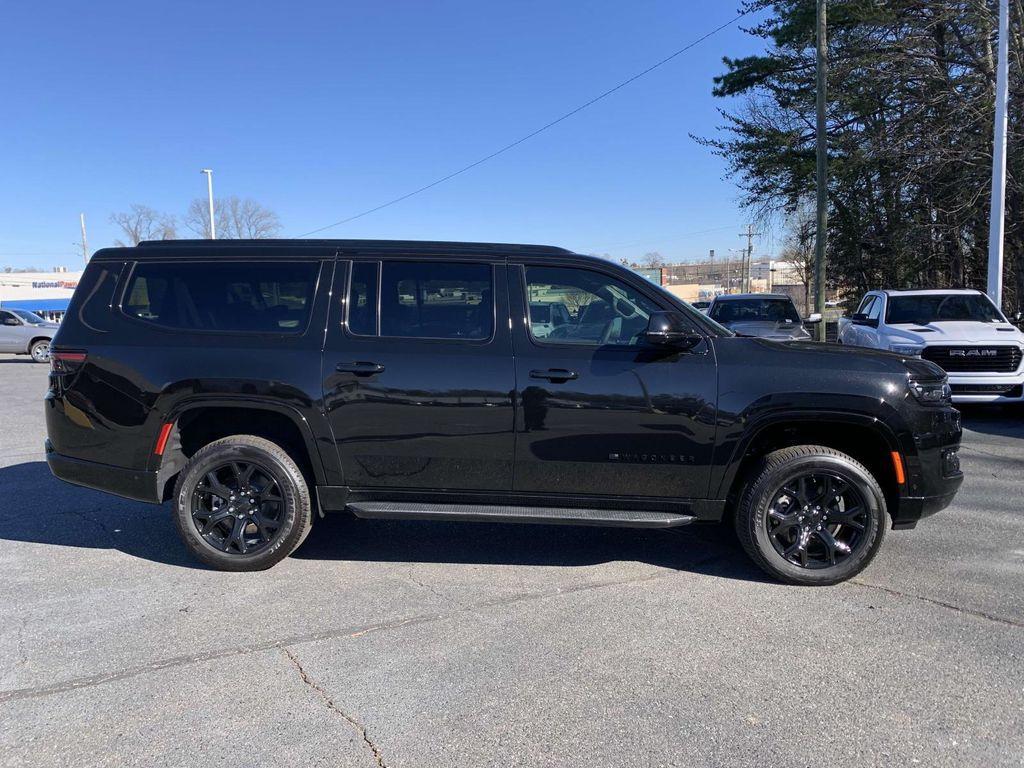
<point x="362" y="245"/>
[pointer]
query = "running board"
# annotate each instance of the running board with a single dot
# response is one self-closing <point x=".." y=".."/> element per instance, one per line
<point x="389" y="510"/>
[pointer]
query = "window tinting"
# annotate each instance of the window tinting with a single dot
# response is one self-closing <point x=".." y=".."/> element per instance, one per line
<point x="754" y="310"/>
<point x="256" y="296"/>
<point x="593" y="308"/>
<point x="436" y="300"/>
<point x="938" y="308"/>
<point x="362" y="299"/>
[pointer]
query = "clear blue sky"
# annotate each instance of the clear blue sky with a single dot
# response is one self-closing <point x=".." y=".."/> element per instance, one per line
<point x="323" y="109"/>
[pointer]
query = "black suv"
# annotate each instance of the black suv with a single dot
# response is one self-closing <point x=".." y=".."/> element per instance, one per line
<point x="260" y="383"/>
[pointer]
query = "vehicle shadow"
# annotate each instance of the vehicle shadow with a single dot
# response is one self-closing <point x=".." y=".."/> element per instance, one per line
<point x="1001" y="420"/>
<point x="19" y="360"/>
<point x="36" y="507"/>
<point x="39" y="509"/>
<point x="705" y="549"/>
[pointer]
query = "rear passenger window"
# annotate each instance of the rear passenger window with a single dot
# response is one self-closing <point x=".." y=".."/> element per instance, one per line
<point x="424" y="300"/>
<point x="362" y="298"/>
<point x="257" y="296"/>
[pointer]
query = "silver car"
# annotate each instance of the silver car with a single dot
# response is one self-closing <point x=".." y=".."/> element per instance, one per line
<point x="769" y="315"/>
<point x="26" y="333"/>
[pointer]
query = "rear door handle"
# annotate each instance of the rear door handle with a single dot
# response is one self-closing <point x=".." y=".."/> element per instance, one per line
<point x="360" y="368"/>
<point x="554" y="374"/>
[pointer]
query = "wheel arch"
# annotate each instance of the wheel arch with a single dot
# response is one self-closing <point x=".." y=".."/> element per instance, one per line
<point x="34" y="339"/>
<point x="197" y="423"/>
<point x="861" y="436"/>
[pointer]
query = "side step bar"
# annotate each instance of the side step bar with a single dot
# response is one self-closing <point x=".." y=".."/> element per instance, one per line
<point x="389" y="510"/>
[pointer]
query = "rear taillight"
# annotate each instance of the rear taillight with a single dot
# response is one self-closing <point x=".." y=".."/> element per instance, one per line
<point x="66" y="361"/>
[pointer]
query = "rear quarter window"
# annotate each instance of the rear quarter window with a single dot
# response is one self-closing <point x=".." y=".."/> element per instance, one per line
<point x="231" y="296"/>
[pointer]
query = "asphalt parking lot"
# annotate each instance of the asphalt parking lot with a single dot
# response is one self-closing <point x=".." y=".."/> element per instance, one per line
<point x="435" y="644"/>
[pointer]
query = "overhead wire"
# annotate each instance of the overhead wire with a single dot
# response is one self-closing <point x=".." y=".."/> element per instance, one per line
<point x="532" y="134"/>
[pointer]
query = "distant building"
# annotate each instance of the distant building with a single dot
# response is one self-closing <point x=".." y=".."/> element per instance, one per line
<point x="45" y="293"/>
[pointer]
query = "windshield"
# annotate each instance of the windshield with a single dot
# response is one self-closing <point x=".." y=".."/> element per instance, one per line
<point x="755" y="310"/>
<point x="940" y="308"/>
<point x="28" y="317"/>
<point x="695" y="315"/>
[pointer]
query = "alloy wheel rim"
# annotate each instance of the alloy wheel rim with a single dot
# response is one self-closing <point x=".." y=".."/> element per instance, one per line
<point x="817" y="520"/>
<point x="238" y="507"/>
<point x="41" y="352"/>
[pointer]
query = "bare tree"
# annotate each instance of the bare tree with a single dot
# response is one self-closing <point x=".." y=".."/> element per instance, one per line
<point x="652" y="260"/>
<point x="197" y="218"/>
<point x="143" y="223"/>
<point x="798" y="246"/>
<point x="236" y="219"/>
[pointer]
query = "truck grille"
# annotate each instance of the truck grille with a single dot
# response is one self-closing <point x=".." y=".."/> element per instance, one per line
<point x="991" y="358"/>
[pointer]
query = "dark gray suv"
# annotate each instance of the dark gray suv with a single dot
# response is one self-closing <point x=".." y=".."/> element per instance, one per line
<point x="768" y="315"/>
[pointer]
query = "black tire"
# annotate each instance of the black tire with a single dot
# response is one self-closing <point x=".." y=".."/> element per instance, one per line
<point x="40" y="351"/>
<point x="246" y="540"/>
<point x="795" y="541"/>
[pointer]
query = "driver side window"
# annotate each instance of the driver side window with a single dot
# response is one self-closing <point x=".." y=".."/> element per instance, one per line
<point x="595" y="309"/>
<point x="875" y="311"/>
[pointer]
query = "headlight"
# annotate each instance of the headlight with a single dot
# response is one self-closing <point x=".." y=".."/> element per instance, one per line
<point x="913" y="350"/>
<point x="931" y="392"/>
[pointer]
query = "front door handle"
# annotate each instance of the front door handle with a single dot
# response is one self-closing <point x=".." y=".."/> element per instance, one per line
<point x="360" y="368"/>
<point x="554" y="374"/>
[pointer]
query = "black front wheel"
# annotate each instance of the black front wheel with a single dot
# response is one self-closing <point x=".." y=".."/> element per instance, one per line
<point x="811" y="515"/>
<point x="242" y="504"/>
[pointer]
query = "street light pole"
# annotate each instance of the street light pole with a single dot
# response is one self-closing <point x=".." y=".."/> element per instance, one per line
<point x="209" y="187"/>
<point x="85" y="242"/>
<point x="821" y="240"/>
<point x="997" y="215"/>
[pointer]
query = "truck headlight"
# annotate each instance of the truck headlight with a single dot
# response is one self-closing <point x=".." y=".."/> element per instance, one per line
<point x="912" y="350"/>
<point x="931" y="392"/>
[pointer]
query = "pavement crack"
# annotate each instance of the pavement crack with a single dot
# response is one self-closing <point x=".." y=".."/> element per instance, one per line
<point x="412" y="579"/>
<point x="319" y="690"/>
<point x="940" y="603"/>
<point x="86" y="515"/>
<point x="335" y="633"/>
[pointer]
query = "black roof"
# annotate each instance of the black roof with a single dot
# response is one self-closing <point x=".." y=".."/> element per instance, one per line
<point x="411" y="247"/>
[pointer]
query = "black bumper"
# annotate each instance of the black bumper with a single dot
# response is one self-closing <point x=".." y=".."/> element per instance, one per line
<point x="913" y="508"/>
<point x="931" y="487"/>
<point x="139" y="485"/>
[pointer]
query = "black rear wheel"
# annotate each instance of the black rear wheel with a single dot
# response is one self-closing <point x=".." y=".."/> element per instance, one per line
<point x="811" y="515"/>
<point x="242" y="504"/>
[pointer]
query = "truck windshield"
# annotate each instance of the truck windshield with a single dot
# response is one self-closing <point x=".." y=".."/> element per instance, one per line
<point x="755" y="310"/>
<point x="941" y="308"/>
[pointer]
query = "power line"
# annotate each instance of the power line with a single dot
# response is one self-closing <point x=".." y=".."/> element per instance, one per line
<point x="529" y="136"/>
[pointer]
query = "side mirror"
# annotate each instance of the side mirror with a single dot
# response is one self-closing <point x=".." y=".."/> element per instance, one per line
<point x="813" y="319"/>
<point x="10" y="321"/>
<point x="670" y="329"/>
<point x="861" y="319"/>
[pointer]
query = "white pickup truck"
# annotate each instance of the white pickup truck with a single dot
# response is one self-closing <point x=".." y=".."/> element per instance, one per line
<point x="960" y="330"/>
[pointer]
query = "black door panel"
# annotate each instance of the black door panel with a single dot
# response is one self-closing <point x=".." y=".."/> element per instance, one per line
<point x="422" y="412"/>
<point x="618" y="419"/>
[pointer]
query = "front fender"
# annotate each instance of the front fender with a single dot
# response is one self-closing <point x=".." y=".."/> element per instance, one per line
<point x="743" y="429"/>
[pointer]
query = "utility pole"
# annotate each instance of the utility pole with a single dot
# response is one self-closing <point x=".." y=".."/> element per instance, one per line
<point x="821" y="238"/>
<point x="209" y="187"/>
<point x="85" y="242"/>
<point x="748" y="256"/>
<point x="997" y="215"/>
